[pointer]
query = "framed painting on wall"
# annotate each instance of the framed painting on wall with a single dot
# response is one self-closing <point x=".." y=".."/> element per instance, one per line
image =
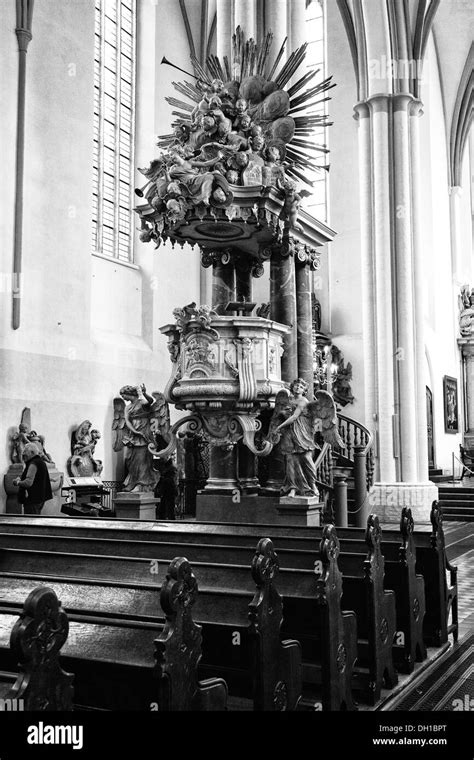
<point x="451" y="408"/>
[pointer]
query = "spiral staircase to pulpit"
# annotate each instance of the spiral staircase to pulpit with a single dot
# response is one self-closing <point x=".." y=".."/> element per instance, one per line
<point x="344" y="477"/>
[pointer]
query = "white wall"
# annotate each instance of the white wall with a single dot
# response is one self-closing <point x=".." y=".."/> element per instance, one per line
<point x="88" y="325"/>
<point x="445" y="269"/>
<point x="340" y="295"/>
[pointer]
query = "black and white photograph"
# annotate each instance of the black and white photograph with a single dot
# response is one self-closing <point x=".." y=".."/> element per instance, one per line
<point x="237" y="372"/>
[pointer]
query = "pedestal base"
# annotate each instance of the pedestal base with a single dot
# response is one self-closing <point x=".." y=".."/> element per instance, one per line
<point x="263" y="510"/>
<point x="386" y="500"/>
<point x="135" y="506"/>
<point x="51" y="507"/>
<point x="301" y="510"/>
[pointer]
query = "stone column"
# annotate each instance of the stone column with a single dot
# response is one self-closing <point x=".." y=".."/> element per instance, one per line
<point x="362" y="114"/>
<point x="245" y="16"/>
<point x="283" y="309"/>
<point x="223" y="284"/>
<point x="391" y="277"/>
<point x="340" y="500"/>
<point x="404" y="291"/>
<point x="419" y="292"/>
<point x="276" y="21"/>
<point x="243" y="282"/>
<point x="298" y="29"/>
<point x="247" y="470"/>
<point x="224" y="28"/>
<point x="222" y="469"/>
<point x="222" y="460"/>
<point x="304" y="265"/>
<point x="383" y="346"/>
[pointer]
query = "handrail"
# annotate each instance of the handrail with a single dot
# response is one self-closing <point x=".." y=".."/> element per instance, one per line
<point x="323" y="466"/>
<point x="354" y="436"/>
<point x="361" y="435"/>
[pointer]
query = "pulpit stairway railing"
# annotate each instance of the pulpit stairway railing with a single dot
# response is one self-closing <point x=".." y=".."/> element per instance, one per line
<point x="355" y="460"/>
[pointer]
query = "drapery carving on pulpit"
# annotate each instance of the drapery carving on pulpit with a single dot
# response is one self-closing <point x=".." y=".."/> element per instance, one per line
<point x="140" y="420"/>
<point x="238" y="124"/>
<point x="466" y="312"/>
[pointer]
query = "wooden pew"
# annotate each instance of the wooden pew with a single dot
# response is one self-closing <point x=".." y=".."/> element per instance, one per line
<point x="37" y="681"/>
<point x="297" y="585"/>
<point x="431" y="560"/>
<point x="119" y="594"/>
<point x="172" y="684"/>
<point x="323" y="620"/>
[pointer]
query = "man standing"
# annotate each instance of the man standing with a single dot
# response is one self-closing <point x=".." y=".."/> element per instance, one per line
<point x="34" y="484"/>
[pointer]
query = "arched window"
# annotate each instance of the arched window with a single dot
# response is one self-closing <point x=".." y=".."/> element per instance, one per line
<point x="114" y="116"/>
<point x="316" y="58"/>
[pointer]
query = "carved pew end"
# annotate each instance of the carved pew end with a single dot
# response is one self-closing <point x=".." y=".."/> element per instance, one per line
<point x="36" y="640"/>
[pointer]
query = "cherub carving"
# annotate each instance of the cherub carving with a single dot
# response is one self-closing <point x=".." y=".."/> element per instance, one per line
<point x="18" y="443"/>
<point x="293" y="199"/>
<point x="140" y="420"/>
<point x="294" y="423"/>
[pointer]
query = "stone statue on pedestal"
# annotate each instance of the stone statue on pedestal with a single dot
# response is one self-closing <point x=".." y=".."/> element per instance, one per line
<point x="25" y="435"/>
<point x="18" y="440"/>
<point x="466" y="316"/>
<point x="139" y="421"/>
<point x="81" y="463"/>
<point x="294" y="423"/>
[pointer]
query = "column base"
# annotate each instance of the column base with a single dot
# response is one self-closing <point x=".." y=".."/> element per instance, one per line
<point x="135" y="506"/>
<point x="386" y="500"/>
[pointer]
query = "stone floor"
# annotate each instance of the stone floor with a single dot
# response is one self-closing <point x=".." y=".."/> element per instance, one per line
<point x="460" y="550"/>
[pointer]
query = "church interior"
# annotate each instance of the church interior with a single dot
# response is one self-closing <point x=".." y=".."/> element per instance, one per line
<point x="237" y="355"/>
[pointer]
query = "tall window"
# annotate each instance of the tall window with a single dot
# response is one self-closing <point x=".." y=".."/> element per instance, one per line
<point x="316" y="58"/>
<point x="114" y="105"/>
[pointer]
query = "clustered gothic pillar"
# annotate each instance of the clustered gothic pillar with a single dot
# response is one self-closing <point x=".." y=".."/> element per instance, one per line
<point x="392" y="250"/>
<point x="377" y="293"/>
<point x="392" y="275"/>
<point x="406" y="364"/>
<point x="415" y="112"/>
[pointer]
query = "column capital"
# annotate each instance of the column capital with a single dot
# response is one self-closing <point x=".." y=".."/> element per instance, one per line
<point x="307" y="257"/>
<point x="455" y="190"/>
<point x="24" y="38"/>
<point x="383" y="102"/>
<point x="416" y="107"/>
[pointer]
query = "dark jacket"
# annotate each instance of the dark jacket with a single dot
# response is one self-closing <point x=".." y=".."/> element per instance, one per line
<point x="40" y="490"/>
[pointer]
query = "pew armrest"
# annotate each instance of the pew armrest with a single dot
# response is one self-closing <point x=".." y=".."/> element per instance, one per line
<point x="211" y="695"/>
<point x="291" y="670"/>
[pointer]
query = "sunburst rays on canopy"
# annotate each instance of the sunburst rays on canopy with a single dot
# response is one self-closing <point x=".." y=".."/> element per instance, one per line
<point x="250" y="63"/>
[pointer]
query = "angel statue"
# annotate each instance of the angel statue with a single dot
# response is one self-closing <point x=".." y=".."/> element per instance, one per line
<point x="140" y="420"/>
<point x="294" y="423"/>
